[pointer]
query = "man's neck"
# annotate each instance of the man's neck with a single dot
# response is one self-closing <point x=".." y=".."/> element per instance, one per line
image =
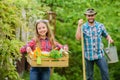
<point x="91" y="24"/>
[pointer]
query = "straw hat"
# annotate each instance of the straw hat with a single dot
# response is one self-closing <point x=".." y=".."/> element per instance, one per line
<point x="90" y="11"/>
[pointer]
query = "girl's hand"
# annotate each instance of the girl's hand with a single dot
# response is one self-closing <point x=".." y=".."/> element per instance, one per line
<point x="65" y="47"/>
<point x="28" y="49"/>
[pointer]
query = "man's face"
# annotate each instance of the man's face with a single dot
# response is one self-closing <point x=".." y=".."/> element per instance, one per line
<point x="90" y="18"/>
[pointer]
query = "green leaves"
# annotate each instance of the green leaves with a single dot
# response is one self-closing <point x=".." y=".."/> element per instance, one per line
<point x="9" y="45"/>
<point x="55" y="54"/>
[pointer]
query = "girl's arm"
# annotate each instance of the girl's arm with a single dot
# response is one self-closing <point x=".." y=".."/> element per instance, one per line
<point x="30" y="44"/>
<point x="58" y="46"/>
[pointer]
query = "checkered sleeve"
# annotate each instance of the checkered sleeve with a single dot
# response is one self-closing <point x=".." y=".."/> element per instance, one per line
<point x="31" y="44"/>
<point x="104" y="32"/>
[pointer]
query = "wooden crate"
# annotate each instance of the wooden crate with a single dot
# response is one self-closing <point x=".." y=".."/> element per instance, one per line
<point x="50" y="62"/>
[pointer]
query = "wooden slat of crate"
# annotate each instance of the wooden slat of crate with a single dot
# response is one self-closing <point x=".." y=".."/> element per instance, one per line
<point x="49" y="62"/>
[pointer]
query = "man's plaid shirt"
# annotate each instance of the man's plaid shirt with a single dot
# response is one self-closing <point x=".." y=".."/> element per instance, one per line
<point x="93" y="40"/>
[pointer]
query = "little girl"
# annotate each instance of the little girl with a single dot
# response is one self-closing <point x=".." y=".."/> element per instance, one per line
<point x="44" y="39"/>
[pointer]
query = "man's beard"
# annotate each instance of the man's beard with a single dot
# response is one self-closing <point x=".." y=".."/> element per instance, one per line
<point x="91" y="21"/>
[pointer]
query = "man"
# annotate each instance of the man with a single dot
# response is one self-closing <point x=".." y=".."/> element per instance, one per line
<point x="93" y="49"/>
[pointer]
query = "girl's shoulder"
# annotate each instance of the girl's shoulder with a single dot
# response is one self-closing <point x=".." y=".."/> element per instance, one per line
<point x="35" y="39"/>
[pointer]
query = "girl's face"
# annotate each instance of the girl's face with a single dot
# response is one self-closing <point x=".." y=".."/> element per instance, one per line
<point x="42" y="29"/>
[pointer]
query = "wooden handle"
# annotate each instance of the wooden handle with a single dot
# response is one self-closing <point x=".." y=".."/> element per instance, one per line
<point x="83" y="57"/>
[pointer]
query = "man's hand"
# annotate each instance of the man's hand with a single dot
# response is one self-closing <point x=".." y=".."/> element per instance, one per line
<point x="80" y="22"/>
<point x="78" y="31"/>
<point x="110" y="39"/>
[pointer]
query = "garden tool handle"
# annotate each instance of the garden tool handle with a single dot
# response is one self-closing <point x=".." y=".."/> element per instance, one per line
<point x="83" y="56"/>
<point x="110" y="43"/>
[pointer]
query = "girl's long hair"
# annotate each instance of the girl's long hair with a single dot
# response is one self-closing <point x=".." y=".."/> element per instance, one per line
<point x="49" y="33"/>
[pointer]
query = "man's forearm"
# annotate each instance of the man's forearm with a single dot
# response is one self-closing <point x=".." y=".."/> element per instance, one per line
<point x="78" y="33"/>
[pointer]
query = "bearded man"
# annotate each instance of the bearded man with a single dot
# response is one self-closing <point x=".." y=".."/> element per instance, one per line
<point x="93" y="32"/>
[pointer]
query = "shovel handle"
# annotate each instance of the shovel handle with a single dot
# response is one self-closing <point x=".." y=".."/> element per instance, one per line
<point x="83" y="56"/>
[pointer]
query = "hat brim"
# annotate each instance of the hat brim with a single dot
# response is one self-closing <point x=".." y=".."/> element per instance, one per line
<point x="90" y="13"/>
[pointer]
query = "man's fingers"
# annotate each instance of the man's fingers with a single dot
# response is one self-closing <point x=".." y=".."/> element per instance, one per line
<point x="80" y="22"/>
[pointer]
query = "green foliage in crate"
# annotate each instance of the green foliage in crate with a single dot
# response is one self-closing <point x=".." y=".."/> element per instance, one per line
<point x="55" y="54"/>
